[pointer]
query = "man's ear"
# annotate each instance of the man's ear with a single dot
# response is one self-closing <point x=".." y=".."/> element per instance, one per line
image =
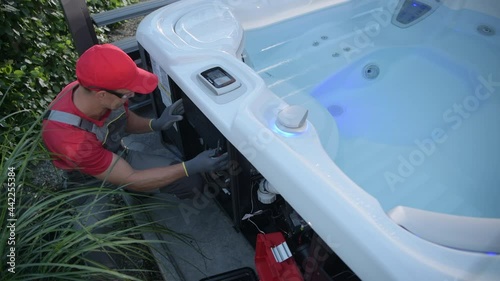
<point x="100" y="94"/>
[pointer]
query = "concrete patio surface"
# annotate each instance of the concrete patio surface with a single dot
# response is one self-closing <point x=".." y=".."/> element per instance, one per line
<point x="214" y="246"/>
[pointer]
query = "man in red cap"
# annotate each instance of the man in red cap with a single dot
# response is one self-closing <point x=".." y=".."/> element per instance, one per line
<point x="88" y="119"/>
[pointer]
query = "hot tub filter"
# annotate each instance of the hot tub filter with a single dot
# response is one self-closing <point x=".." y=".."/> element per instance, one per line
<point x="266" y="192"/>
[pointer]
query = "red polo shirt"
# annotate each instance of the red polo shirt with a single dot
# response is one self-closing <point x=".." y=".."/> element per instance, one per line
<point x="73" y="148"/>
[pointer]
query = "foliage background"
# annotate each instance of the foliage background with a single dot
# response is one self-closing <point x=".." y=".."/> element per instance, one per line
<point x="37" y="60"/>
<point x="38" y="55"/>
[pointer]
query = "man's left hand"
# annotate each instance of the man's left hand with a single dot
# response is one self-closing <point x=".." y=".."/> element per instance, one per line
<point x="170" y="115"/>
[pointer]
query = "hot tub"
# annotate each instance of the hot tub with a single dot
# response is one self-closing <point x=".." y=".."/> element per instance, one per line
<point x="376" y="120"/>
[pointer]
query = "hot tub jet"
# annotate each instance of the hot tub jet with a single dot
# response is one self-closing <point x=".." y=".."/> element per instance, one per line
<point x="371" y="71"/>
<point x="486" y="30"/>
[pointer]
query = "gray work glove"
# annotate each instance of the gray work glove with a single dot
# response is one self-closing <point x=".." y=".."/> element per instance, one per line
<point x="206" y="162"/>
<point x="170" y="115"/>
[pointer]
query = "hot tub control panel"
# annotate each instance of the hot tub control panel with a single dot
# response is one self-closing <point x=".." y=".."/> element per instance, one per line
<point x="219" y="80"/>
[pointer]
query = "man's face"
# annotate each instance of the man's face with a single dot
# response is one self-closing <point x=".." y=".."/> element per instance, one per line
<point x="115" y="99"/>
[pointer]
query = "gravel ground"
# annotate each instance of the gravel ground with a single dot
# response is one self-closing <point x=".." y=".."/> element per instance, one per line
<point x="46" y="175"/>
<point x="126" y="28"/>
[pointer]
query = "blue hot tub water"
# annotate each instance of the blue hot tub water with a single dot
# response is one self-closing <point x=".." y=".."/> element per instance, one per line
<point x="423" y="132"/>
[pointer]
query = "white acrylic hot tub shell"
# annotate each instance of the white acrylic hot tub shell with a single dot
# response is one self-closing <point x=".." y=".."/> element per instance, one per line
<point x="349" y="220"/>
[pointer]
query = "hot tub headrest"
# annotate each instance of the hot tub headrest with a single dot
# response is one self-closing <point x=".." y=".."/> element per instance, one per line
<point x="211" y="27"/>
<point x="459" y="232"/>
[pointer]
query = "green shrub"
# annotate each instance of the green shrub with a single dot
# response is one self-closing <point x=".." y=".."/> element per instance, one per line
<point x="38" y="55"/>
<point x="37" y="61"/>
<point x="37" y="240"/>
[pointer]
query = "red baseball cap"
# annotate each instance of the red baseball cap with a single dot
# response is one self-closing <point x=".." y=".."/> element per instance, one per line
<point x="107" y="67"/>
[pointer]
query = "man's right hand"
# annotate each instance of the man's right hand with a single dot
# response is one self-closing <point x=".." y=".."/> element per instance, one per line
<point x="206" y="162"/>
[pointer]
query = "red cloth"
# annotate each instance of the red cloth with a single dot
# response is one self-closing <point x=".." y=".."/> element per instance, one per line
<point x="73" y="148"/>
<point x="267" y="267"/>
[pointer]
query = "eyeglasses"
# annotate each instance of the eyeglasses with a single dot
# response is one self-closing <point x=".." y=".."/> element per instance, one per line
<point x="120" y="95"/>
<point x="114" y="93"/>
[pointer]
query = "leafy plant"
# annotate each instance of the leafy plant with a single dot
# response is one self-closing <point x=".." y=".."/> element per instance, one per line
<point x="39" y="241"/>
<point x="38" y="55"/>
